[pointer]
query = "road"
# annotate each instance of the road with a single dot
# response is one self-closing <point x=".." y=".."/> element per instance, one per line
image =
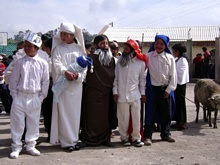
<point x="199" y="144"/>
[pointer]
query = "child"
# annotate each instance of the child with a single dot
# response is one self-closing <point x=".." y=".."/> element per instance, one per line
<point x="28" y="86"/>
<point x="162" y="71"/>
<point x="128" y="88"/>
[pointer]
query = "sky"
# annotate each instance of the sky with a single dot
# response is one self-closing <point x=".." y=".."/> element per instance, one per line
<point x="92" y="15"/>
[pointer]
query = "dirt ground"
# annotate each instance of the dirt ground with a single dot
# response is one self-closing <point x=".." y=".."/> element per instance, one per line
<point x="197" y="145"/>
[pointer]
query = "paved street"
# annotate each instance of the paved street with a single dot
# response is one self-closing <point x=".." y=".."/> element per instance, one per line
<point x="199" y="144"/>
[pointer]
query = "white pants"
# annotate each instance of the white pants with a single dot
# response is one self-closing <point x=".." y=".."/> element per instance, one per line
<point x="123" y="114"/>
<point x="25" y="106"/>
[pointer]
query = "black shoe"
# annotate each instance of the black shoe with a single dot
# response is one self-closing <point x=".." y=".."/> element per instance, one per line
<point x="168" y="139"/>
<point x="77" y="147"/>
<point x="38" y="142"/>
<point x="69" y="149"/>
<point x="108" y="144"/>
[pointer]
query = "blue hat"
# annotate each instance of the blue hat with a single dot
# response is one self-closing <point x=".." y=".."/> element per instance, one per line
<point x="85" y="61"/>
<point x="166" y="41"/>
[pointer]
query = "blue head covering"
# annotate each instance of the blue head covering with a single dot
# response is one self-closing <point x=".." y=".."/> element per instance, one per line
<point x="165" y="39"/>
<point x="85" y="61"/>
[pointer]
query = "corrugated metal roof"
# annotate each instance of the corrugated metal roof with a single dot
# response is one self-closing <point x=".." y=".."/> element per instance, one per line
<point x="197" y="33"/>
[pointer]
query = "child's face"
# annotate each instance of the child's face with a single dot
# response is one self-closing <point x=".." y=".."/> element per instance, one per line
<point x="66" y="37"/>
<point x="159" y="46"/>
<point x="103" y="44"/>
<point x="30" y="49"/>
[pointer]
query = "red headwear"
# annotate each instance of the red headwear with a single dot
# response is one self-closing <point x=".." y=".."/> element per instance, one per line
<point x="137" y="50"/>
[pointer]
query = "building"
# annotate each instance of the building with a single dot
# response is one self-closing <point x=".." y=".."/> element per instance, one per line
<point x="197" y="36"/>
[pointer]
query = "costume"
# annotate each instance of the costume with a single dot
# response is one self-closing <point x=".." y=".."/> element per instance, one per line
<point x="98" y="103"/>
<point x="66" y="112"/>
<point x="129" y="85"/>
<point x="162" y="70"/>
<point x="28" y="87"/>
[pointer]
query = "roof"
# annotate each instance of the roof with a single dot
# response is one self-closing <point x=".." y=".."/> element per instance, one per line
<point x="197" y="33"/>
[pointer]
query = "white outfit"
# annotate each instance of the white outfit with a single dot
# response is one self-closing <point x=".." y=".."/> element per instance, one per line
<point x="182" y="70"/>
<point x="66" y="113"/>
<point x="129" y="84"/>
<point x="28" y="86"/>
<point x="162" y="69"/>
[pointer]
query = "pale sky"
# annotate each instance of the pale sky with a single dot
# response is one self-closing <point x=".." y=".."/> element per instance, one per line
<point x="93" y="15"/>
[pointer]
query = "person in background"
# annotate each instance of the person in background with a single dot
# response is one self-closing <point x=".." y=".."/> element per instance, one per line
<point x="182" y="71"/>
<point x="28" y="86"/>
<point x="67" y="45"/>
<point x="98" y="105"/>
<point x="198" y="63"/>
<point x="48" y="101"/>
<point x="128" y="89"/>
<point x="115" y="49"/>
<point x="162" y="71"/>
<point x="4" y="92"/>
<point x="206" y="60"/>
<point x="89" y="48"/>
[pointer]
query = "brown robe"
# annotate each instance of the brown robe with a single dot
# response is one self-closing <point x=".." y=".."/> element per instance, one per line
<point x="97" y="104"/>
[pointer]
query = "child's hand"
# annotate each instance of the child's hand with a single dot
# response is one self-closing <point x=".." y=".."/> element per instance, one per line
<point x="69" y="76"/>
<point x="165" y="95"/>
<point x="115" y="98"/>
<point x="143" y="98"/>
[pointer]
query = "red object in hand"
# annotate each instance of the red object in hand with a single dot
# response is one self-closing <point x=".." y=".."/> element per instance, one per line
<point x="2" y="68"/>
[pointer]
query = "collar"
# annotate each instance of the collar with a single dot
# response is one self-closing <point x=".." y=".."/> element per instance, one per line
<point x="32" y="58"/>
<point x="159" y="54"/>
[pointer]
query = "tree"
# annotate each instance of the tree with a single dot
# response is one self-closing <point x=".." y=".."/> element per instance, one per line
<point x="87" y="36"/>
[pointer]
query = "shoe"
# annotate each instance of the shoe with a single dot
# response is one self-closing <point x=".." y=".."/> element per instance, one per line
<point x="34" y="152"/>
<point x="69" y="149"/>
<point x="138" y="143"/>
<point x="77" y="147"/>
<point x="38" y="142"/>
<point x="108" y="144"/>
<point x="182" y="127"/>
<point x="23" y="143"/>
<point x="126" y="143"/>
<point x="168" y="139"/>
<point x="15" y="154"/>
<point x="147" y="142"/>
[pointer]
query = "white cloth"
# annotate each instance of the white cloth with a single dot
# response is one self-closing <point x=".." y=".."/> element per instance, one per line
<point x="66" y="113"/>
<point x="30" y="75"/>
<point x="25" y="106"/>
<point x="123" y="114"/>
<point x="162" y="70"/>
<point x="182" y="71"/>
<point x="71" y="29"/>
<point x="130" y="80"/>
<point x="62" y="83"/>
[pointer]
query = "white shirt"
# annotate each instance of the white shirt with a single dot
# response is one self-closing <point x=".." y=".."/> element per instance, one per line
<point x="130" y="80"/>
<point x="162" y="70"/>
<point x="30" y="75"/>
<point x="182" y="70"/>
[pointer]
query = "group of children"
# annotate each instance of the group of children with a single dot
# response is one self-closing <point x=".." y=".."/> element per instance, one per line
<point x="30" y="81"/>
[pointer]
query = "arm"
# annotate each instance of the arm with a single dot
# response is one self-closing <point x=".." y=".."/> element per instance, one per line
<point x="115" y="85"/>
<point x="14" y="80"/>
<point x="44" y="83"/>
<point x="173" y="77"/>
